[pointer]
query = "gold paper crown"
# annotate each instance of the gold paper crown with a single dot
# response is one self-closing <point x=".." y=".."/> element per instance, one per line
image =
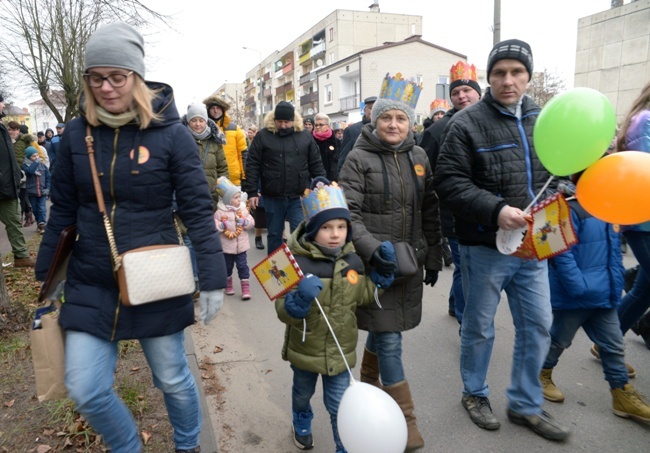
<point x="322" y="198"/>
<point x="463" y="71"/>
<point x="399" y="89"/>
<point x="439" y="104"/>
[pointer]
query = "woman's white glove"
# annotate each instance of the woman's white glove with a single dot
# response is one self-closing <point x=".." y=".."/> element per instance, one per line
<point x="209" y="304"/>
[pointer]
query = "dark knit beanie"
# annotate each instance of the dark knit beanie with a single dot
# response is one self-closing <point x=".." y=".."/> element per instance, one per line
<point x="469" y="83"/>
<point x="117" y="45"/>
<point x="511" y="49"/>
<point x="284" y="111"/>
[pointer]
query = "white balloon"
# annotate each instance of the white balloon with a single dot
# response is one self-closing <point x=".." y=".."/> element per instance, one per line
<point x="370" y="421"/>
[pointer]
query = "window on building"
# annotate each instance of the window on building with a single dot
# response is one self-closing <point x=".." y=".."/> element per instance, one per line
<point x="331" y="34"/>
<point x="328" y="94"/>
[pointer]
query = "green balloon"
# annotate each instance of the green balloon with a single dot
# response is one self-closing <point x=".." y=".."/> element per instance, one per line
<point x="573" y="130"/>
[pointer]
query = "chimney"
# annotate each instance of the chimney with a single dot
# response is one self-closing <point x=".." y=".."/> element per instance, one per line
<point x="375" y="6"/>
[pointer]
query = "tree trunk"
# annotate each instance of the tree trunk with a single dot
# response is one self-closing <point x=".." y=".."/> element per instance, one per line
<point x="4" y="296"/>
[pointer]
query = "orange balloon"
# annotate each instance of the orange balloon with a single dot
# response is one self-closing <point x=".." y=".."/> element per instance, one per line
<point x="616" y="188"/>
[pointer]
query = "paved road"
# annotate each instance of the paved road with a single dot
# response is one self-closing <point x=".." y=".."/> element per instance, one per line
<point x="252" y="414"/>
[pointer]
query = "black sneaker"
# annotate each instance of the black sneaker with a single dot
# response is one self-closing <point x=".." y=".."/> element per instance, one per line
<point x="542" y="424"/>
<point x="305" y="442"/>
<point x="258" y="243"/>
<point x="480" y="412"/>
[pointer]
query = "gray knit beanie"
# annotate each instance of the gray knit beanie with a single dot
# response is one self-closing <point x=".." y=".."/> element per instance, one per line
<point x="195" y="110"/>
<point x="383" y="105"/>
<point x="117" y="45"/>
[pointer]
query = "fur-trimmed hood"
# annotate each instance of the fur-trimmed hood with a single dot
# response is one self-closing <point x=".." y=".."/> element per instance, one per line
<point x="269" y="122"/>
<point x="216" y="100"/>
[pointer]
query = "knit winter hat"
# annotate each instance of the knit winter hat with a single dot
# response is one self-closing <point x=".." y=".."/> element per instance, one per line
<point x="324" y="202"/>
<point x="195" y="110"/>
<point x="382" y="105"/>
<point x="117" y="45"/>
<point x="30" y="151"/>
<point x="284" y="111"/>
<point x="511" y="49"/>
<point x="226" y="189"/>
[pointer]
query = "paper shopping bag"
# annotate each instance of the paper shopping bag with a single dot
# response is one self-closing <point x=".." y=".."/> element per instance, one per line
<point x="48" y="356"/>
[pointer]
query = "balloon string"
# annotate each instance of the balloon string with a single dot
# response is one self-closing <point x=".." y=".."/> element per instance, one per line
<point x="335" y="339"/>
<point x="539" y="194"/>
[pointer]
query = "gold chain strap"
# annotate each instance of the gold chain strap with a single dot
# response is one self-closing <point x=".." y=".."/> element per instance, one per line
<point x="117" y="259"/>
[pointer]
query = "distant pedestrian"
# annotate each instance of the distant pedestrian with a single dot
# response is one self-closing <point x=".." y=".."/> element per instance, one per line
<point x="328" y="145"/>
<point x="352" y="132"/>
<point x="37" y="185"/>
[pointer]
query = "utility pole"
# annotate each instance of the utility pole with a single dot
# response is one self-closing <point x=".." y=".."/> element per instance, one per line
<point x="496" y="30"/>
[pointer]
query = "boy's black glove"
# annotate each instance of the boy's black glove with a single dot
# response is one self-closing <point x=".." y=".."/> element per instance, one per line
<point x="382" y="265"/>
<point x="430" y="277"/>
<point x="298" y="303"/>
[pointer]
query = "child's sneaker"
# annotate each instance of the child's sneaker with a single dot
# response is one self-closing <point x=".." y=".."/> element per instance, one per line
<point x="628" y="403"/>
<point x="301" y="428"/>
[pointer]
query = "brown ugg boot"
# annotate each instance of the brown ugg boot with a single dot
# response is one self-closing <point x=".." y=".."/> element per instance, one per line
<point x="401" y="393"/>
<point x="370" y="368"/>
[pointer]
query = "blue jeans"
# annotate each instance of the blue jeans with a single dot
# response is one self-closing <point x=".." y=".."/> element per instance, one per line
<point x="304" y="386"/>
<point x="277" y="210"/>
<point x="486" y="273"/>
<point x="388" y="347"/>
<point x="195" y="267"/>
<point x="89" y="368"/>
<point x="602" y="327"/>
<point x="39" y="208"/>
<point x="456" y="290"/>
<point x="240" y="261"/>
<point x="636" y="302"/>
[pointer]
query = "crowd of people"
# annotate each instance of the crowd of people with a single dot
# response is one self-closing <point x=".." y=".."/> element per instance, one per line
<point x="372" y="209"/>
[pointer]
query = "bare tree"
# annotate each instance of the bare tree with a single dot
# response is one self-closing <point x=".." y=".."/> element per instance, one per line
<point x="544" y="85"/>
<point x="43" y="40"/>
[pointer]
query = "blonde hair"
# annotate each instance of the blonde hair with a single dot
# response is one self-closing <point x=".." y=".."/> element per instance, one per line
<point x="641" y="103"/>
<point x="142" y="99"/>
<point x="322" y="116"/>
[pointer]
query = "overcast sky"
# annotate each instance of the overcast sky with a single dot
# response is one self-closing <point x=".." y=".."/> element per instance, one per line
<point x="205" y="48"/>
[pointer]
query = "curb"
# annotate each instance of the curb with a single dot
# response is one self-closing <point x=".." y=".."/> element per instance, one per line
<point x="207" y="437"/>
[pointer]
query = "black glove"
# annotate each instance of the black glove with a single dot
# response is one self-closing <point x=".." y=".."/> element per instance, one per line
<point x="430" y="277"/>
<point x="383" y="266"/>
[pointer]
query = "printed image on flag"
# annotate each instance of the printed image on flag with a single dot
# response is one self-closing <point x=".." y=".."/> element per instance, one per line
<point x="552" y="232"/>
<point x="278" y="272"/>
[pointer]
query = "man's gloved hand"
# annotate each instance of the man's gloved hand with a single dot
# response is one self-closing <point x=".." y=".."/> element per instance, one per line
<point x="298" y="303"/>
<point x="430" y="277"/>
<point x="209" y="304"/>
<point x="382" y="265"/>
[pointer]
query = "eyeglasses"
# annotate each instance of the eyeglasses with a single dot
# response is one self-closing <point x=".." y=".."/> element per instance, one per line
<point x="95" y="80"/>
<point x="320" y="125"/>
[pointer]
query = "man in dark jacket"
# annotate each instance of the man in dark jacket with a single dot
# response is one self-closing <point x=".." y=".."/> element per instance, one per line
<point x="351" y="133"/>
<point x="281" y="162"/>
<point x="464" y="91"/>
<point x="487" y="173"/>
<point x="9" y="206"/>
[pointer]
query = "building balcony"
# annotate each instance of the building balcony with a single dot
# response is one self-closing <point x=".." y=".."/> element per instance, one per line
<point x="349" y="102"/>
<point x="287" y="68"/>
<point x="267" y="108"/>
<point x="248" y="88"/>
<point x="283" y="88"/>
<point x="309" y="98"/>
<point x="249" y="101"/>
<point x="308" y="78"/>
<point x="317" y="51"/>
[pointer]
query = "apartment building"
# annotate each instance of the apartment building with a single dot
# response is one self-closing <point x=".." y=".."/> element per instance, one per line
<point x="613" y="53"/>
<point x="291" y="74"/>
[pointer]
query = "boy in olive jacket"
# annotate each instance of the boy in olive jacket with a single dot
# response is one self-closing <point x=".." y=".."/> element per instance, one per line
<point x="335" y="274"/>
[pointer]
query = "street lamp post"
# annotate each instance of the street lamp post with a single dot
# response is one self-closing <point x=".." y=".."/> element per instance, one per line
<point x="261" y="97"/>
